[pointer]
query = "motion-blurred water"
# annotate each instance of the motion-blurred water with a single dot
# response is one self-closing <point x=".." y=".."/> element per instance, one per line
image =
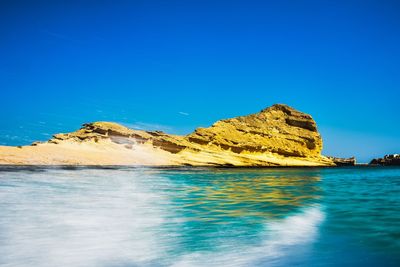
<point x="120" y="217"/>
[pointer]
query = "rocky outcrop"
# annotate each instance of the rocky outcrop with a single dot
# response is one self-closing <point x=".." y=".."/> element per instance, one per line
<point x="119" y="134"/>
<point x="276" y="136"/>
<point x="343" y="161"/>
<point x="279" y="129"/>
<point x="387" y="160"/>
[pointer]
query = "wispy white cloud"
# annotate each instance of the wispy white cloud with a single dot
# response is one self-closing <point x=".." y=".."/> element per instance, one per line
<point x="12" y="137"/>
<point x="183" y="113"/>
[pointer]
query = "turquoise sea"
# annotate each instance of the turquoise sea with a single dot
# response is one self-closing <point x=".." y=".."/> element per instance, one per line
<point x="120" y="217"/>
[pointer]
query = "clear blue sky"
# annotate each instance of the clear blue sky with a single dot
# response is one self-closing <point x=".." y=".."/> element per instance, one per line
<point x="176" y="65"/>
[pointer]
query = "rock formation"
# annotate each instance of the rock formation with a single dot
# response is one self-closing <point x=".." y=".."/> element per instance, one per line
<point x="387" y="160"/>
<point x="343" y="161"/>
<point x="276" y="136"/>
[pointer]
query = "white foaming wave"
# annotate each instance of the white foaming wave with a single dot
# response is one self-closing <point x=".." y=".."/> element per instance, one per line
<point x="280" y="237"/>
<point x="112" y="225"/>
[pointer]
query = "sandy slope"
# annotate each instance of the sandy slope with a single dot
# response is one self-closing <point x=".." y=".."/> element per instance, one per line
<point x="87" y="153"/>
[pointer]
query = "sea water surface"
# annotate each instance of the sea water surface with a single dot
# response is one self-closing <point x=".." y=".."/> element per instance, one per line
<point x="120" y="217"/>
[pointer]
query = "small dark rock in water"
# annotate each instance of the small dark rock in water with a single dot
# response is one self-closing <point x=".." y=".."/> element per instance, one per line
<point x="343" y="161"/>
<point x="387" y="160"/>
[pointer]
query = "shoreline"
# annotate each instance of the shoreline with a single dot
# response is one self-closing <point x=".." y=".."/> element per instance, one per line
<point x="175" y="167"/>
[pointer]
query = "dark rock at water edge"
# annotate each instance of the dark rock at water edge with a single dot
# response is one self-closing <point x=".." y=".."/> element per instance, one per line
<point x="387" y="160"/>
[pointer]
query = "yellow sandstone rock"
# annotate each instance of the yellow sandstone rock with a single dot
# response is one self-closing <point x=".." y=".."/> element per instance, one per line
<point x="276" y="136"/>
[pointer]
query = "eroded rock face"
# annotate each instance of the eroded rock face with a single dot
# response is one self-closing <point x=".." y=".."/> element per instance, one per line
<point x="278" y="129"/>
<point x="276" y="136"/>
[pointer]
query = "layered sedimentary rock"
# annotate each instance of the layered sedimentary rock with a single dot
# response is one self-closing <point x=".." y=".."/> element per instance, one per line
<point x="276" y="136"/>
<point x="278" y="129"/>
<point x="387" y="160"/>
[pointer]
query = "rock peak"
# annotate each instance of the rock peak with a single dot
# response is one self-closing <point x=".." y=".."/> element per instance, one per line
<point x="283" y="107"/>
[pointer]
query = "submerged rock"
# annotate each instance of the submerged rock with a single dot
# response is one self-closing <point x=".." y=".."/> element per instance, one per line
<point x="387" y="160"/>
<point x="276" y="136"/>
